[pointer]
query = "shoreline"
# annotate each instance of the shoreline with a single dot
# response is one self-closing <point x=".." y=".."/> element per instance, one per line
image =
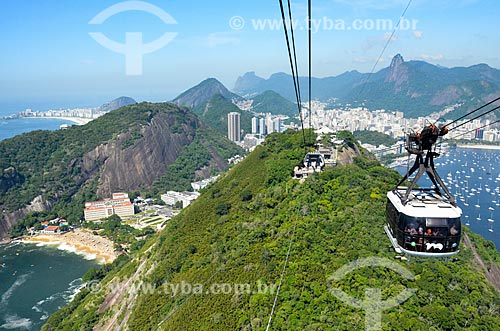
<point x="492" y="147"/>
<point x="79" y="241"/>
<point x="76" y="120"/>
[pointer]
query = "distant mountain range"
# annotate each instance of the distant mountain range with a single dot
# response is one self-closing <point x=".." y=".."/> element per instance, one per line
<point x="117" y="103"/>
<point x="203" y="92"/>
<point x="212" y="102"/>
<point x="415" y="87"/>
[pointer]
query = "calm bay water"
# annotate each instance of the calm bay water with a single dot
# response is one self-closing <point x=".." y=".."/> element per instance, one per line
<point x="12" y="127"/>
<point x="35" y="281"/>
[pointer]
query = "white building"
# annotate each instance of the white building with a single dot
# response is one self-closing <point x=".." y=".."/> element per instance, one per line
<point x="234" y="127"/>
<point x="262" y="127"/>
<point x="277" y="124"/>
<point x="172" y="197"/>
<point x="120" y="205"/>
<point x="255" y="125"/>
<point x="269" y="124"/>
<point x="203" y="183"/>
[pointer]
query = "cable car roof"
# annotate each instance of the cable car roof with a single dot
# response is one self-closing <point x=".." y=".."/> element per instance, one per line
<point x="426" y="204"/>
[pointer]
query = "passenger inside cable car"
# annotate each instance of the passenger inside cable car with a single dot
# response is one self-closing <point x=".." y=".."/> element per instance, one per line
<point x="428" y="235"/>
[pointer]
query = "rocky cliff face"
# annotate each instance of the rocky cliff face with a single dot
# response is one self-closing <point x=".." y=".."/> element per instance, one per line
<point x="8" y="219"/>
<point x="139" y="165"/>
<point x="347" y="155"/>
<point x="398" y="73"/>
<point x="132" y="158"/>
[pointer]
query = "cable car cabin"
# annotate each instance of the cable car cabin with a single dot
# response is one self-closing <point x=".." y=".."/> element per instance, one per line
<point x="315" y="161"/>
<point x="426" y="226"/>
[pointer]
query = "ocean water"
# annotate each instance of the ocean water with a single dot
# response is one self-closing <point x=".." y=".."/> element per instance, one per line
<point x="35" y="281"/>
<point x="12" y="127"/>
<point x="473" y="177"/>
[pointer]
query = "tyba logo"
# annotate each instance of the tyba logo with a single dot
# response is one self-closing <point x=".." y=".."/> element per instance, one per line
<point x="134" y="49"/>
<point x="373" y="304"/>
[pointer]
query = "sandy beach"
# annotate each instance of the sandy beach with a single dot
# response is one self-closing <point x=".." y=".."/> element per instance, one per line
<point x="76" y="120"/>
<point x="79" y="241"/>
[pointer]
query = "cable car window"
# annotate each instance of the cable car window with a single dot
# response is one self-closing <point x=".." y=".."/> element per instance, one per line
<point x="442" y="222"/>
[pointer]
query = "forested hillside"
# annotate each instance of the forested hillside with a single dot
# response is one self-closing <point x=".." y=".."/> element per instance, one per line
<point x="125" y="150"/>
<point x="239" y="232"/>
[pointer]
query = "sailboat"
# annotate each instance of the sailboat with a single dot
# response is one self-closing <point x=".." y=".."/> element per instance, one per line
<point x="491" y="220"/>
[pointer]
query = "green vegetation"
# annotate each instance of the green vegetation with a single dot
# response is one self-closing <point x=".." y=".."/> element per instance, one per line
<point x="48" y="162"/>
<point x="215" y="111"/>
<point x="374" y="138"/>
<point x="337" y="217"/>
<point x="196" y="156"/>
<point x="272" y="102"/>
<point x="64" y="168"/>
<point x="113" y="228"/>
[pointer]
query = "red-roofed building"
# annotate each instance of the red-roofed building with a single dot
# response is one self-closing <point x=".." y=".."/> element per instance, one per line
<point x="53" y="229"/>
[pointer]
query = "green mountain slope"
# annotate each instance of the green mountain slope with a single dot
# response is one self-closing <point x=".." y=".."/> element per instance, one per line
<point x="238" y="232"/>
<point x="272" y="102"/>
<point x="214" y="112"/>
<point x="125" y="150"/>
<point x="203" y="92"/>
<point x="116" y="104"/>
<point x="374" y="138"/>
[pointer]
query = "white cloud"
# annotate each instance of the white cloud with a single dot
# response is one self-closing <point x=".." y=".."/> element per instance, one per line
<point x="373" y="4"/>
<point x="371" y="61"/>
<point x="378" y="41"/>
<point x="389" y="35"/>
<point x="418" y="34"/>
<point x="391" y="4"/>
<point x="427" y="57"/>
<point x="222" y="38"/>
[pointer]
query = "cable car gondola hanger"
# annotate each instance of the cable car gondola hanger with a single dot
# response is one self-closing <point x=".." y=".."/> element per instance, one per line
<point x="423" y="222"/>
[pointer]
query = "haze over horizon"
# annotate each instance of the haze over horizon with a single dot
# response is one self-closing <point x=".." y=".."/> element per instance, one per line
<point x="52" y="61"/>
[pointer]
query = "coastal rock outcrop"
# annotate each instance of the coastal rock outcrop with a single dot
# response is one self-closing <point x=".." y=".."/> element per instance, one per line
<point x="123" y="151"/>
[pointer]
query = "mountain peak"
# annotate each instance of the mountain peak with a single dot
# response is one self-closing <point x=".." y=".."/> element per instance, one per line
<point x="203" y="92"/>
<point x="247" y="82"/>
<point x="397" y="60"/>
<point x="117" y="103"/>
<point x="398" y="72"/>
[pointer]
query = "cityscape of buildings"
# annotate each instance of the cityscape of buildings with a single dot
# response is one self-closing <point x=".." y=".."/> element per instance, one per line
<point x="261" y="127"/>
<point x="84" y="113"/>
<point x="352" y="119"/>
<point x="393" y="124"/>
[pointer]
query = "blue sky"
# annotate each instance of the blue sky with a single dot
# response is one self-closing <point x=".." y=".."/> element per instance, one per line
<point x="49" y="59"/>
